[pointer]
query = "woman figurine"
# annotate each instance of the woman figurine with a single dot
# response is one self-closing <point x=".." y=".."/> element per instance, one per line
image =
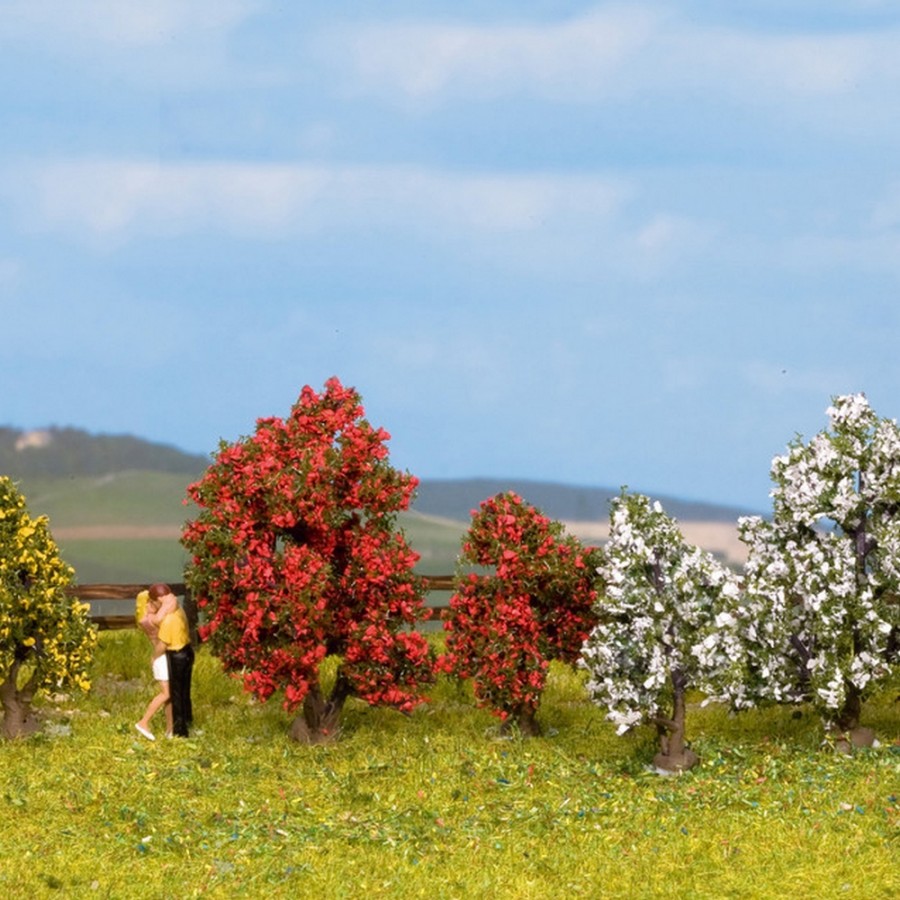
<point x="159" y="664"/>
<point x="173" y="631"/>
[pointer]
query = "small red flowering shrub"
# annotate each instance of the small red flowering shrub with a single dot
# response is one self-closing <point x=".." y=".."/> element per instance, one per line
<point x="295" y="556"/>
<point x="536" y="604"/>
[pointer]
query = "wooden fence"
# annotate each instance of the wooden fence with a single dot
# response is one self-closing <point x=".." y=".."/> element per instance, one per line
<point x="124" y="595"/>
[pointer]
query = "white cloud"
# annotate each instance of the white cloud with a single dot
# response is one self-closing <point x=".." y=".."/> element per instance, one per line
<point x="114" y="200"/>
<point x="621" y="51"/>
<point x="89" y="23"/>
<point x="422" y="59"/>
<point x="419" y="60"/>
<point x="117" y="199"/>
<point x="792" y="67"/>
<point x="164" y="43"/>
<point x="547" y="224"/>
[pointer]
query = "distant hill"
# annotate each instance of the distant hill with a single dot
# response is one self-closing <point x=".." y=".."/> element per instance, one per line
<point x="116" y="505"/>
<point x="71" y="452"/>
<point x="455" y="498"/>
<point x="63" y="452"/>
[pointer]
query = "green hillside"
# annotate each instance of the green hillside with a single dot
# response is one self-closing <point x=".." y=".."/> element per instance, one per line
<point x="125" y="526"/>
<point x="125" y="561"/>
<point x="116" y="503"/>
<point x="118" y="498"/>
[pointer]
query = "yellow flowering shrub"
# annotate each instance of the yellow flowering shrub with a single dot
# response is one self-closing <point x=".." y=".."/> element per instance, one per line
<point x="46" y="636"/>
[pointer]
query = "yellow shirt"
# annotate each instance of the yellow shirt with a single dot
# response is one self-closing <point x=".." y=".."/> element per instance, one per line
<point x="174" y="631"/>
<point x="140" y="605"/>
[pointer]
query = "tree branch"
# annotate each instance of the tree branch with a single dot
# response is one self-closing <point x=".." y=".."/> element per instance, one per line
<point x="663" y="722"/>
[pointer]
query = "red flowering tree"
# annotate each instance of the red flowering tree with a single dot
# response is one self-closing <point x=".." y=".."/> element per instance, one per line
<point x="534" y="605"/>
<point x="296" y="556"/>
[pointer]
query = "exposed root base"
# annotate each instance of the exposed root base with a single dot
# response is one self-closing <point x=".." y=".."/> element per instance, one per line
<point x="19" y="723"/>
<point x="301" y="733"/>
<point x="855" y="738"/>
<point x="522" y="728"/>
<point x="671" y="763"/>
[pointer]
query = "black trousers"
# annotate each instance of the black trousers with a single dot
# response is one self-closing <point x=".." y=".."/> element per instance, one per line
<point x="181" y="665"/>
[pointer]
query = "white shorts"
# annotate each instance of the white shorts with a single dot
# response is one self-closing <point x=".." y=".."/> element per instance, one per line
<point x="161" y="668"/>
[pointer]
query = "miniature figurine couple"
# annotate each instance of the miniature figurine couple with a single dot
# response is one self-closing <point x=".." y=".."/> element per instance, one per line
<point x="165" y="624"/>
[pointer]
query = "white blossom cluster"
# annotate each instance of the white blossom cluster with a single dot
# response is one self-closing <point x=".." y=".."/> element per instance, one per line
<point x="821" y="580"/>
<point x="666" y="609"/>
<point x="814" y="614"/>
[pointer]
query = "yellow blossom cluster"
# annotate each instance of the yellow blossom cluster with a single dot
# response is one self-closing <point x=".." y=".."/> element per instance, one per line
<point x="42" y="628"/>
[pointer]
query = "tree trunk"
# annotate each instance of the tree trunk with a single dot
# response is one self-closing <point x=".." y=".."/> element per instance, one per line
<point x="673" y="755"/>
<point x="18" y="718"/>
<point x="319" y="723"/>
<point x="848" y="733"/>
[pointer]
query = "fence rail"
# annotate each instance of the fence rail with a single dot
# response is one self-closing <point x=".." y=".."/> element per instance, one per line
<point x="126" y="593"/>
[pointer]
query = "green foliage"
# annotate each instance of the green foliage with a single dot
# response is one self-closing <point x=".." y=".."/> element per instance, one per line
<point x="427" y="805"/>
<point x="295" y="555"/>
<point x="46" y="639"/>
<point x="532" y="605"/>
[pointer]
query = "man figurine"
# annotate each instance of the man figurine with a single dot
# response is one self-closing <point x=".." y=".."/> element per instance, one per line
<point x="160" y="667"/>
<point x="174" y="632"/>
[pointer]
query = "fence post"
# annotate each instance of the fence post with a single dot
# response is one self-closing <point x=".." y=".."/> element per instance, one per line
<point x="124" y="594"/>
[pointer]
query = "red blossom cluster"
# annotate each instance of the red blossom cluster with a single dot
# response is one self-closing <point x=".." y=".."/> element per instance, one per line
<point x="534" y="605"/>
<point x="295" y="556"/>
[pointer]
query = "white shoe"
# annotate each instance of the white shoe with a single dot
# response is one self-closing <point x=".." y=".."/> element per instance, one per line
<point x="144" y="732"/>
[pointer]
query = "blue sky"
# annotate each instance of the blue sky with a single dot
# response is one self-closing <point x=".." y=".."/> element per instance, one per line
<point x="600" y="244"/>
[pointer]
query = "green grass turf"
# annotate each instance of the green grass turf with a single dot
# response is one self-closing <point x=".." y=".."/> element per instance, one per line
<point x="433" y="804"/>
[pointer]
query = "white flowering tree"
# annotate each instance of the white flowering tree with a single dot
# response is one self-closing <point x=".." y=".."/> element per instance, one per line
<point x="823" y="576"/>
<point x="664" y="608"/>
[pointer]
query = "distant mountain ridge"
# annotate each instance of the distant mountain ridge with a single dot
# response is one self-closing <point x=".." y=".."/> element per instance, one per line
<point x="61" y="452"/>
<point x="71" y="452"/>
<point x="456" y="498"/>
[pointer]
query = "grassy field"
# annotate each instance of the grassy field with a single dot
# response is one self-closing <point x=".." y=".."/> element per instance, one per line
<point x="433" y="805"/>
<point x="141" y="498"/>
<point x="115" y="528"/>
<point x="125" y="527"/>
<point x="101" y="557"/>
